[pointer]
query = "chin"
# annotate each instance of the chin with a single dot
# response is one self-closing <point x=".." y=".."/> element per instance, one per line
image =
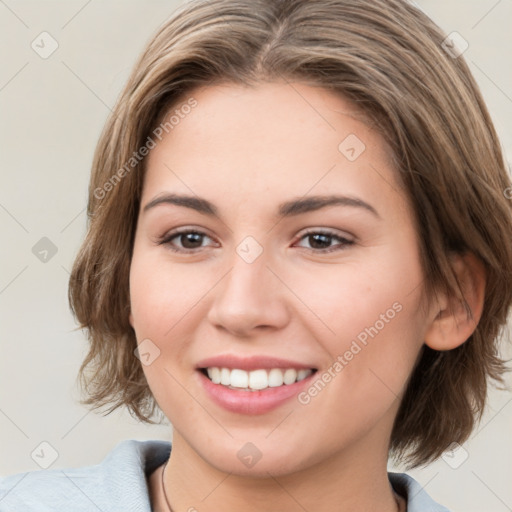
<point x="258" y="459"/>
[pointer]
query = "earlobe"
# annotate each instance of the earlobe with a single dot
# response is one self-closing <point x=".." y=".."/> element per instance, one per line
<point x="454" y="323"/>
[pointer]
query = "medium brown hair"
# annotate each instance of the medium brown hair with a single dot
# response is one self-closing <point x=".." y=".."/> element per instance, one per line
<point x="386" y="57"/>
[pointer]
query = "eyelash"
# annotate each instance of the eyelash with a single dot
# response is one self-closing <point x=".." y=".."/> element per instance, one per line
<point x="344" y="242"/>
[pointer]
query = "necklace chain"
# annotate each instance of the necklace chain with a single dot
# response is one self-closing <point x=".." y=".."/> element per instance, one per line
<point x="163" y="487"/>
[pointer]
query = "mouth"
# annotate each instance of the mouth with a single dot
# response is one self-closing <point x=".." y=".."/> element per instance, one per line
<point x="257" y="379"/>
<point x="252" y="385"/>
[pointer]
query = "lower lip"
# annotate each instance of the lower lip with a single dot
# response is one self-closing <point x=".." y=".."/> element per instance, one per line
<point x="251" y="402"/>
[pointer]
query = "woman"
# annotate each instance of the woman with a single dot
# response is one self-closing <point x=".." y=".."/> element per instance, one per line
<point x="299" y="251"/>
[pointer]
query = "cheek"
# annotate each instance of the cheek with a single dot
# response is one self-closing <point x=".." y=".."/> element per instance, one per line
<point x="368" y="319"/>
<point x="347" y="298"/>
<point x="168" y="302"/>
<point x="373" y="352"/>
<point x="161" y="294"/>
<point x="162" y="304"/>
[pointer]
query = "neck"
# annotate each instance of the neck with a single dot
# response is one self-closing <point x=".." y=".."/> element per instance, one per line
<point x="348" y="481"/>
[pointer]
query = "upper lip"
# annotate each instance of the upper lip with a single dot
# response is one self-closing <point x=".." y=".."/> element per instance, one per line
<point x="250" y="363"/>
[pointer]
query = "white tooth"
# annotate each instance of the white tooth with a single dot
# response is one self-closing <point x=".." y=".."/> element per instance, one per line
<point x="290" y="376"/>
<point x="258" y="379"/>
<point x="275" y="378"/>
<point x="214" y="374"/>
<point x="225" y="376"/>
<point x="302" y="374"/>
<point x="239" y="379"/>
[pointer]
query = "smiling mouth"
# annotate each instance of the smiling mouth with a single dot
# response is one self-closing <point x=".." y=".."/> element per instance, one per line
<point x="255" y="380"/>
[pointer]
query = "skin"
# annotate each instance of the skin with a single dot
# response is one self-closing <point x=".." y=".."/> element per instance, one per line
<point x="247" y="150"/>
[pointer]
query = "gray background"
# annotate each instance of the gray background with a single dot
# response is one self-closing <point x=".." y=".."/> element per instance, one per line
<point x="52" y="111"/>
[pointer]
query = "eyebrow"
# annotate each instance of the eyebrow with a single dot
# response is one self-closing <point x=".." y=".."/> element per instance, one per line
<point x="287" y="209"/>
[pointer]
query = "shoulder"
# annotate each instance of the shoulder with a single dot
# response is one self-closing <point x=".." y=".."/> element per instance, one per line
<point x="417" y="498"/>
<point x="117" y="483"/>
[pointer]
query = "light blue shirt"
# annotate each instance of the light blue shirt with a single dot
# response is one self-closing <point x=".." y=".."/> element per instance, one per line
<point x="119" y="484"/>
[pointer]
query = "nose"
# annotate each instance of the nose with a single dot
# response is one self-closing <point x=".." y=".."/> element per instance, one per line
<point x="250" y="298"/>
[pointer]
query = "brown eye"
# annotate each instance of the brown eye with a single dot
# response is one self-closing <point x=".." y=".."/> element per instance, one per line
<point x="184" y="241"/>
<point x="322" y="241"/>
<point x="190" y="240"/>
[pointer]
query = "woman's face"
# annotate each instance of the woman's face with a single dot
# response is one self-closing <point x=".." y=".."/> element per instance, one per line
<point x="295" y="281"/>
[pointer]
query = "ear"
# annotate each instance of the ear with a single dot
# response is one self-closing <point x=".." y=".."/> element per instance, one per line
<point x="453" y="323"/>
<point x="130" y="319"/>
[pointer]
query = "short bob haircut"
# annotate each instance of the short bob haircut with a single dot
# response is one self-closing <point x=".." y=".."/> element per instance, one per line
<point x="388" y="58"/>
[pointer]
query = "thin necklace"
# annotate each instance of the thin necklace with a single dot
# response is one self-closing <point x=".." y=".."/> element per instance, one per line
<point x="170" y="508"/>
<point x="398" y="500"/>
<point x="163" y="487"/>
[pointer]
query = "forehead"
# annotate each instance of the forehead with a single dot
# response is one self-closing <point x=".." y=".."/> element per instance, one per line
<point x="274" y="138"/>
